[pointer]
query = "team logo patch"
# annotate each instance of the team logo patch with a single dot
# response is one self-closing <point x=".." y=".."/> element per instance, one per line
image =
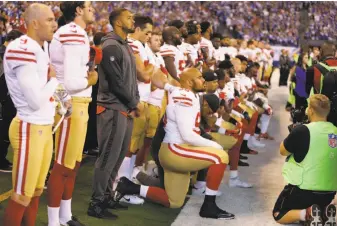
<point x="332" y="140"/>
<point x="112" y="58"/>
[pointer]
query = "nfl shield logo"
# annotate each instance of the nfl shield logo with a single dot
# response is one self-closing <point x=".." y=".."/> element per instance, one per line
<point x="332" y="140"/>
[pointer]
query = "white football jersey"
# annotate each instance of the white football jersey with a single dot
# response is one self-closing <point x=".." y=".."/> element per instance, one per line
<point x="143" y="88"/>
<point x="157" y="60"/>
<point x="69" y="54"/>
<point x="182" y="120"/>
<point x="189" y="50"/>
<point x="179" y="58"/>
<point x="205" y="43"/>
<point x="26" y="67"/>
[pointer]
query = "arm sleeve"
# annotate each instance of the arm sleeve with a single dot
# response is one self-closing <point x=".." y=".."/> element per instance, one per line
<point x="186" y="125"/>
<point x="28" y="82"/>
<point x="298" y="142"/>
<point x="73" y="81"/>
<point x="170" y="88"/>
<point x="115" y="76"/>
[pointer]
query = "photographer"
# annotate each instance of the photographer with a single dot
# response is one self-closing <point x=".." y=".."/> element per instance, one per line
<point x="309" y="169"/>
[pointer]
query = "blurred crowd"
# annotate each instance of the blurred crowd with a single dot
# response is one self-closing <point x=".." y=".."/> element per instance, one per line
<point x="273" y="22"/>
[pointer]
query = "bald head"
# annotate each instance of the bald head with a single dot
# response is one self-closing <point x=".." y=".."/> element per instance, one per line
<point x="328" y="49"/>
<point x="189" y="74"/>
<point x="237" y="64"/>
<point x="40" y="21"/>
<point x="169" y="32"/>
<point x="35" y="11"/>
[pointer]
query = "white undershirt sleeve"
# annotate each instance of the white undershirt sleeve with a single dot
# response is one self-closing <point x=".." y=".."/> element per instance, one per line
<point x="73" y="80"/>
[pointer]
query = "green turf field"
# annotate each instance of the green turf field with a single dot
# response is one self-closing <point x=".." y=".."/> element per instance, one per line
<point x="147" y="214"/>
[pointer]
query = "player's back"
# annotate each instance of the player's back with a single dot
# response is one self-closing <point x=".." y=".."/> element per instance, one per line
<point x="26" y="53"/>
<point x="71" y="36"/>
<point x="181" y="97"/>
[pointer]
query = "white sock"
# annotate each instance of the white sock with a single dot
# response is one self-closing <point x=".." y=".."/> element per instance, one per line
<point x="123" y="171"/>
<point x="265" y="119"/>
<point x="132" y="165"/>
<point x="302" y="215"/>
<point x="124" y="168"/>
<point x="233" y="174"/>
<point x="210" y="192"/>
<point x="143" y="190"/>
<point x="53" y="216"/>
<point x="200" y="184"/>
<point x="135" y="172"/>
<point x="65" y="211"/>
<point x="246" y="137"/>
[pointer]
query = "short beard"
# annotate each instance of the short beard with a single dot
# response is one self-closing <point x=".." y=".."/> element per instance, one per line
<point x="203" y="89"/>
<point x="128" y="30"/>
<point x="177" y="42"/>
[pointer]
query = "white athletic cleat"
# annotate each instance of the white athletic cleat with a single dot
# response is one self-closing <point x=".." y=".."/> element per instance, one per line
<point x="255" y="143"/>
<point x="236" y="182"/>
<point x="201" y="192"/>
<point x="132" y="199"/>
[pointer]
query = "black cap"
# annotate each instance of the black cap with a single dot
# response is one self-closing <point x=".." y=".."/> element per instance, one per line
<point x="221" y="74"/>
<point x="241" y="57"/>
<point x="225" y="64"/>
<point x="209" y="76"/>
<point x="192" y="27"/>
<point x="250" y="64"/>
<point x="212" y="101"/>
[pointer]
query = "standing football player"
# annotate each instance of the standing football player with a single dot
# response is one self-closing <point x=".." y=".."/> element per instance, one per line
<point x="69" y="51"/>
<point x="31" y="83"/>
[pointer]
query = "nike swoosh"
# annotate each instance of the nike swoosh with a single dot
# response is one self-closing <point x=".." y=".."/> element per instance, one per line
<point x="127" y="199"/>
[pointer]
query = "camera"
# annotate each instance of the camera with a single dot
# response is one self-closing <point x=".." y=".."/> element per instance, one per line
<point x="299" y="118"/>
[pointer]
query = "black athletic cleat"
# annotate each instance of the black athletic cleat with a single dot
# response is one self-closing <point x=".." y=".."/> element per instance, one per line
<point x="211" y="210"/>
<point x="330" y="216"/>
<point x="243" y="157"/>
<point x="74" y="222"/>
<point x="5" y="168"/>
<point x="241" y="163"/>
<point x="313" y="216"/>
<point x="99" y="210"/>
<point x="126" y="187"/>
<point x="112" y="204"/>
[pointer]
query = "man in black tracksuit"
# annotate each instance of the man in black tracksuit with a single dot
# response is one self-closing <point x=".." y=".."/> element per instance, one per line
<point x="117" y="105"/>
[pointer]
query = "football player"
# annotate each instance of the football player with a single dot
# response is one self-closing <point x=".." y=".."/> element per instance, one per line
<point x="174" y="59"/>
<point x="69" y="51"/>
<point x="184" y="150"/>
<point x="31" y="83"/>
<point x="155" y="102"/>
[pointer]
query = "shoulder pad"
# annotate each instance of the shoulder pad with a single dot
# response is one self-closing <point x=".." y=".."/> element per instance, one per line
<point x="134" y="44"/>
<point x="71" y="34"/>
<point x="20" y="52"/>
<point x="167" y="51"/>
<point x="183" y="97"/>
